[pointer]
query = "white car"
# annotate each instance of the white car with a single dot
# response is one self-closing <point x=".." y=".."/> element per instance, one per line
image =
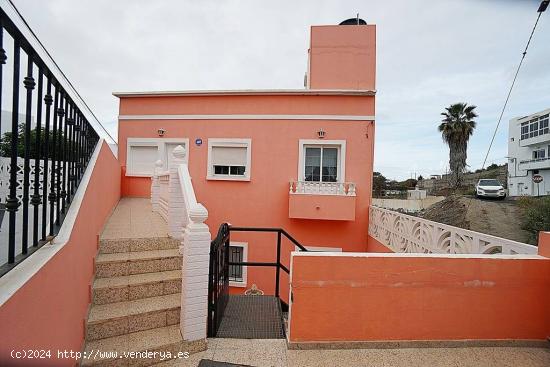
<point x="490" y="188"/>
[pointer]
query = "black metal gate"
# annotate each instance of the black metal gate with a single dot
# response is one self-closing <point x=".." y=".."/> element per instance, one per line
<point x="218" y="279"/>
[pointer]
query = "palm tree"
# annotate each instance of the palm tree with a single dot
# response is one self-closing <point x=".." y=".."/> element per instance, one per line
<point x="456" y="128"/>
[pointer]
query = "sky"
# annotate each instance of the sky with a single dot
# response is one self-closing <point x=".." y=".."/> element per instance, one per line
<point x="430" y="54"/>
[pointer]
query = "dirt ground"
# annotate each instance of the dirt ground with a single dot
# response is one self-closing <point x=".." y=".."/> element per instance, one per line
<point x="495" y="217"/>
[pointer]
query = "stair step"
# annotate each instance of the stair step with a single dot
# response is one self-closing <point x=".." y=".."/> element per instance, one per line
<point x="164" y="339"/>
<point x="128" y="263"/>
<point x="120" y="318"/>
<point x="114" y="245"/>
<point x="136" y="286"/>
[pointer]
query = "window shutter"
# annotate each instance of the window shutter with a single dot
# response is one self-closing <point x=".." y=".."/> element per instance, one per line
<point x="142" y="159"/>
<point x="229" y="156"/>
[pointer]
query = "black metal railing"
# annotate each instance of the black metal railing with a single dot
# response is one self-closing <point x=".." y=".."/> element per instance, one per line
<point x="218" y="284"/>
<point x="45" y="145"/>
<point x="218" y="279"/>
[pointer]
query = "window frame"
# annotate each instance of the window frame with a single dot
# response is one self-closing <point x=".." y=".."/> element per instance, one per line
<point x="234" y="143"/>
<point x="311" y="143"/>
<point x="244" y="282"/>
<point x="160" y="143"/>
<point x="536" y="126"/>
<point x="537" y="152"/>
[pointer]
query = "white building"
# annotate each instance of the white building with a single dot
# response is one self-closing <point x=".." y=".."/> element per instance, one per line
<point x="529" y="154"/>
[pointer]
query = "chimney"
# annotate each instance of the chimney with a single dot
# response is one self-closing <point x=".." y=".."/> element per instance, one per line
<point x="342" y="56"/>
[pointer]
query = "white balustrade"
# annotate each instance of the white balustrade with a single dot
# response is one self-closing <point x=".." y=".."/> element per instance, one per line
<point x="406" y="233"/>
<point x="160" y="195"/>
<point x="173" y="197"/>
<point x="323" y="188"/>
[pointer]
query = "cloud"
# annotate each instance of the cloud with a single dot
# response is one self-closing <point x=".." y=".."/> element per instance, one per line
<point x="430" y="54"/>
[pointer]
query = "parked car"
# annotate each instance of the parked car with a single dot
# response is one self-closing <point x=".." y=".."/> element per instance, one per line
<point x="490" y="188"/>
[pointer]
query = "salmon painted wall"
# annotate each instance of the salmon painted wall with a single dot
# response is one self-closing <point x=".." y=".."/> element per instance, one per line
<point x="373" y="245"/>
<point x="403" y="297"/>
<point x="544" y="244"/>
<point x="342" y="57"/>
<point x="49" y="311"/>
<point x="264" y="200"/>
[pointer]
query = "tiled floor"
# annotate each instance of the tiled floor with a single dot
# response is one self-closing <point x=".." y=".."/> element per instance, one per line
<point x="273" y="353"/>
<point x="133" y="218"/>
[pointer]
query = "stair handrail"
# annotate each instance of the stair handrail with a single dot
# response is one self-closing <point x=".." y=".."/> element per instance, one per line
<point x="185" y="217"/>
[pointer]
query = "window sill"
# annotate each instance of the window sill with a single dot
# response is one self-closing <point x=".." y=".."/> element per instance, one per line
<point x="237" y="284"/>
<point x="227" y="178"/>
<point x="137" y="174"/>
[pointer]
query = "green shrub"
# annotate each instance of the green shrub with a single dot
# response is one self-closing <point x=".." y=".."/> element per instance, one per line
<point x="536" y="216"/>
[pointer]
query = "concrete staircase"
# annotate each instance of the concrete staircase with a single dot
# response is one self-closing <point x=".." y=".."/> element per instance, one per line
<point x="136" y="298"/>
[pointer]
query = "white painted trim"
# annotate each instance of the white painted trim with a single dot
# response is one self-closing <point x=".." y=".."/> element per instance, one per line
<point x="250" y="117"/>
<point x="319" y="249"/>
<point x="341" y="144"/>
<point x="250" y="92"/>
<point x="422" y="255"/>
<point x="229" y="142"/>
<point x="242" y="284"/>
<point x="160" y="143"/>
<point x="18" y="276"/>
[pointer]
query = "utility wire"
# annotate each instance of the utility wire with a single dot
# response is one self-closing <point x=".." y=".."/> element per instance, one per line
<point x="540" y="11"/>
<point x="510" y="91"/>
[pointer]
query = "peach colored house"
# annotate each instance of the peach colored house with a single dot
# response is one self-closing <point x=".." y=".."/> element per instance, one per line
<point x="153" y="241"/>
<point x="301" y="160"/>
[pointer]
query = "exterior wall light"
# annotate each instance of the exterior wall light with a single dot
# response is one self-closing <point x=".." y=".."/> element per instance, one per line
<point x="321" y="134"/>
<point x="161" y="132"/>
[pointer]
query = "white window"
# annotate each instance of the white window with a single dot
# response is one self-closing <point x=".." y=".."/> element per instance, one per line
<point x="525" y="130"/>
<point x="142" y="153"/>
<point x="238" y="252"/>
<point x="141" y="159"/>
<point x="322" y="161"/>
<point x="229" y="159"/>
<point x="543" y="124"/>
<point x="539" y="154"/>
<point x="535" y="127"/>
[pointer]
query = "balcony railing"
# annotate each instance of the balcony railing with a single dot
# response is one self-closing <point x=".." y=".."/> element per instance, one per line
<point x="535" y="163"/>
<point x="46" y="141"/>
<point x="322" y="188"/>
<point x="406" y="233"/>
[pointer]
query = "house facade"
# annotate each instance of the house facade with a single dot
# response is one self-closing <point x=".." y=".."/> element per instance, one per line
<point x="529" y="155"/>
<point x="301" y="160"/>
<point x="121" y="246"/>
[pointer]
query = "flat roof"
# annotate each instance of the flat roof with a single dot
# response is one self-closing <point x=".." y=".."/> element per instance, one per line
<point x="250" y="92"/>
<point x="536" y="114"/>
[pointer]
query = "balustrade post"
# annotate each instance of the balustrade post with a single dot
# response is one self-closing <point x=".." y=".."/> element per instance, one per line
<point x="351" y="189"/>
<point x="176" y="203"/>
<point x="155" y="186"/>
<point x="194" y="291"/>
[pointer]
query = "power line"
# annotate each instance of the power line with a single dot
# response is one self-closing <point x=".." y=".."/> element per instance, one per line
<point x="541" y="10"/>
